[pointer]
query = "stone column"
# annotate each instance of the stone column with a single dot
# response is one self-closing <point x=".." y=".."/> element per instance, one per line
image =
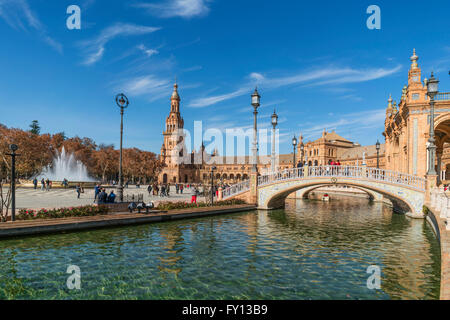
<point x="220" y="196"/>
<point x="253" y="188"/>
<point x="431" y="182"/>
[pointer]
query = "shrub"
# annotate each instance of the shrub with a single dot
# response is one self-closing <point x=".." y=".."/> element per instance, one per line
<point x="167" y="205"/>
<point x="83" y="211"/>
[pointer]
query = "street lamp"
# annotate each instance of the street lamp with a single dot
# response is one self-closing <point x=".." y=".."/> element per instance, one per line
<point x="302" y="150"/>
<point x="13" y="154"/>
<point x="294" y="144"/>
<point x="377" y="145"/>
<point x="274" y="124"/>
<point x="122" y="103"/>
<point x="212" y="184"/>
<point x="255" y="103"/>
<point x="432" y="90"/>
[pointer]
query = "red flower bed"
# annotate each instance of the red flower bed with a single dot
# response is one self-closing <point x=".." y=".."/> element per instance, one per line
<point x="62" y="212"/>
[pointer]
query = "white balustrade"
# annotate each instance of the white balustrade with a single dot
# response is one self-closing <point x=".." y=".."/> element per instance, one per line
<point x="347" y="172"/>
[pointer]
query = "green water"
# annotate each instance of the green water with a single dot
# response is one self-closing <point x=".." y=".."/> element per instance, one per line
<point x="310" y="250"/>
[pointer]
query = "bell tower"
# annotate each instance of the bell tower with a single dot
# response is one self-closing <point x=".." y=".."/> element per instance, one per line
<point x="172" y="134"/>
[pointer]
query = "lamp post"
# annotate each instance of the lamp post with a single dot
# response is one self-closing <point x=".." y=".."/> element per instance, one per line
<point x="212" y="184"/>
<point x="294" y="144"/>
<point x="377" y="145"/>
<point x="432" y="90"/>
<point x="302" y="150"/>
<point x="274" y="124"/>
<point x="13" y="154"/>
<point x="122" y="103"/>
<point x="255" y="103"/>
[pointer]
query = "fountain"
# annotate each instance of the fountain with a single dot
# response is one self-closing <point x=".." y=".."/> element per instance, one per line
<point x="65" y="166"/>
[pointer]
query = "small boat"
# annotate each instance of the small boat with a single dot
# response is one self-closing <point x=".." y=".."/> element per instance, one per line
<point x="326" y="197"/>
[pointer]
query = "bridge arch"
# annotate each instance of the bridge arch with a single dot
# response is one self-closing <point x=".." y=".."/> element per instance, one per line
<point x="276" y="199"/>
<point x="373" y="196"/>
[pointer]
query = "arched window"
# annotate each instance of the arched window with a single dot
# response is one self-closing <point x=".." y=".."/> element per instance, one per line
<point x="185" y="178"/>
<point x="316" y="163"/>
<point x="224" y="176"/>
<point x="165" y="178"/>
<point x="238" y="176"/>
<point x="245" y="177"/>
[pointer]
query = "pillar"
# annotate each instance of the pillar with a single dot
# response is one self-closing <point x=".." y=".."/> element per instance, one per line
<point x="254" y="188"/>
<point x="431" y="182"/>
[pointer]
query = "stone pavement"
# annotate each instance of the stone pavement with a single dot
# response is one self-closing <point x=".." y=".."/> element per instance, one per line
<point x="57" y="198"/>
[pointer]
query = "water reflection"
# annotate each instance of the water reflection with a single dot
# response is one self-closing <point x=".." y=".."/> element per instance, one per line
<point x="310" y="250"/>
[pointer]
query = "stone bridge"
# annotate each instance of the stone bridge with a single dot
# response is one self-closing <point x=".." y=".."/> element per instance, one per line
<point x="269" y="191"/>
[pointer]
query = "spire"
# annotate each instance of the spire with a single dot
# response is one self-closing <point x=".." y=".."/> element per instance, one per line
<point x="175" y="95"/>
<point x="404" y="90"/>
<point x="414" y="59"/>
<point x="394" y="108"/>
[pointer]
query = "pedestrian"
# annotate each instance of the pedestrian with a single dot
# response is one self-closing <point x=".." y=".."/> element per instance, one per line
<point x="181" y="188"/>
<point x="47" y="184"/>
<point x="194" y="196"/>
<point x="78" y="188"/>
<point x="149" y="189"/>
<point x="177" y="187"/>
<point x="102" y="197"/>
<point x="35" y="183"/>
<point x="111" y="197"/>
<point x="42" y="184"/>
<point x="96" y="191"/>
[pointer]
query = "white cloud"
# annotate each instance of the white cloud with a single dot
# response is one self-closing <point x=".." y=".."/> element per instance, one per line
<point x="204" y="102"/>
<point x="149" y="85"/>
<point x="17" y="14"/>
<point x="95" y="48"/>
<point x="347" y="124"/>
<point x="323" y="76"/>
<point x="177" y="8"/>
<point x="146" y="51"/>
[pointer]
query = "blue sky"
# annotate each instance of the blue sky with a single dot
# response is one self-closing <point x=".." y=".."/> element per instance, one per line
<point x="316" y="62"/>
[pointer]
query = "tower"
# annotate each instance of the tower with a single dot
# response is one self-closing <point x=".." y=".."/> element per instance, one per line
<point x="172" y="150"/>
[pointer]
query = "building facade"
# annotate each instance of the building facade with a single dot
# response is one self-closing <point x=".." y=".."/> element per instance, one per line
<point x="178" y="166"/>
<point x="407" y="127"/>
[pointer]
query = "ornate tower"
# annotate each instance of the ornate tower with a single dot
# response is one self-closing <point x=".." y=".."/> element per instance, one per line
<point x="172" y="135"/>
<point x="172" y="148"/>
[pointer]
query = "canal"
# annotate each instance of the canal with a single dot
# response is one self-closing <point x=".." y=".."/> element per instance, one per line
<point x="309" y="250"/>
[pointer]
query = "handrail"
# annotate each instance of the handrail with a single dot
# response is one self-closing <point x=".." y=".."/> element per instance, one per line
<point x="442" y="96"/>
<point x="356" y="172"/>
<point x="236" y="189"/>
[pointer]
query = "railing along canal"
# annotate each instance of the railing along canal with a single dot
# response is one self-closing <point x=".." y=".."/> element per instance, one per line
<point x="364" y="173"/>
<point x="443" y="96"/>
<point x="236" y="189"/>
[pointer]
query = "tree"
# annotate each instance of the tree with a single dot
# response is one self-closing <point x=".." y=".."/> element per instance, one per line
<point x="35" y="128"/>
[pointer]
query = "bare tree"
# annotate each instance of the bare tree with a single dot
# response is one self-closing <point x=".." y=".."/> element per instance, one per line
<point x="5" y="201"/>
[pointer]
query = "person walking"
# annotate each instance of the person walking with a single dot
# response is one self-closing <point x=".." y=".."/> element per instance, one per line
<point x="47" y="184"/>
<point x="78" y="188"/>
<point x="177" y="188"/>
<point x="149" y="189"/>
<point x="42" y="184"/>
<point x="35" y="183"/>
<point x="96" y="191"/>
<point x="194" y="196"/>
<point x="181" y="188"/>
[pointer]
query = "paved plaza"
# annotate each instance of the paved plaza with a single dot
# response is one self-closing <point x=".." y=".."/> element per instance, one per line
<point x="29" y="198"/>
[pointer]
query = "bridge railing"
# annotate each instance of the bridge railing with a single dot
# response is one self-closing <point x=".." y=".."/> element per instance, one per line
<point x="236" y="189"/>
<point x="443" y="96"/>
<point x="344" y="171"/>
